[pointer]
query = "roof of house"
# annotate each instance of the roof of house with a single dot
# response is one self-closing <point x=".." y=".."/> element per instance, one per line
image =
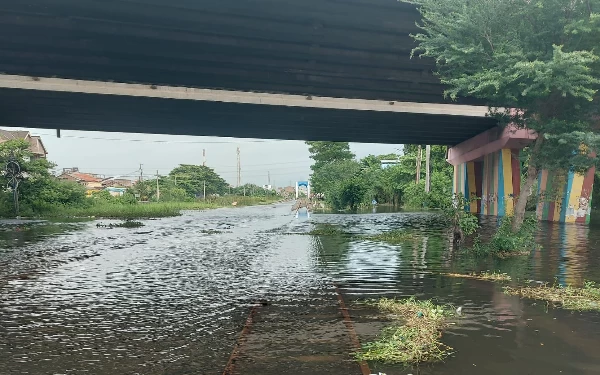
<point x="9" y="135"/>
<point x="84" y="177"/>
<point x="36" y="146"/>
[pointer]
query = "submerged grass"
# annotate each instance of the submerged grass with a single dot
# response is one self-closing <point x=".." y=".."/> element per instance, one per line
<point x="326" y="230"/>
<point x="569" y="297"/>
<point x="487" y="276"/>
<point x="111" y="210"/>
<point x="416" y="338"/>
<point x="394" y="236"/>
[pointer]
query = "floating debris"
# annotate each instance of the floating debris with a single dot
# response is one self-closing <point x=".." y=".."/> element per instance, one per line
<point x="125" y="224"/>
<point x="393" y="236"/>
<point x="568" y="297"/>
<point x="487" y="276"/>
<point x="416" y="339"/>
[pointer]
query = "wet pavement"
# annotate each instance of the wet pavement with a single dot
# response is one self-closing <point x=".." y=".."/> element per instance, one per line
<point x="246" y="291"/>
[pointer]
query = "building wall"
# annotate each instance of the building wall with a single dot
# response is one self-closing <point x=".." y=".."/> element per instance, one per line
<point x="565" y="196"/>
<point x="490" y="185"/>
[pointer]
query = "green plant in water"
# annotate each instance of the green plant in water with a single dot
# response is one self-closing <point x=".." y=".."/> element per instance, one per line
<point x="415" y="339"/>
<point x="463" y="223"/>
<point x="487" y="276"/>
<point x="506" y="243"/>
<point x="394" y="236"/>
<point x="568" y="297"/>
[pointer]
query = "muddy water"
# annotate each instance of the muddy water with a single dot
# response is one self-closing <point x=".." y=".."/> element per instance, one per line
<point x="175" y="296"/>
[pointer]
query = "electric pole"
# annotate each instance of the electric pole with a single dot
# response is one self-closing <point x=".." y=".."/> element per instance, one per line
<point x="141" y="172"/>
<point x="239" y="169"/>
<point x="269" y="178"/>
<point x="204" y="157"/>
<point x="419" y="156"/>
<point x="204" y="185"/>
<point x="427" y="172"/>
<point x="157" y="188"/>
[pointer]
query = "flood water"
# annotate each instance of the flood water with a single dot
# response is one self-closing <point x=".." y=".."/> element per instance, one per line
<point x="247" y="291"/>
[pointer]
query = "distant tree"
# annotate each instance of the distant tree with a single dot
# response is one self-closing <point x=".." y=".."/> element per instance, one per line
<point x="534" y="62"/>
<point x="39" y="190"/>
<point x="327" y="152"/>
<point x="192" y="178"/>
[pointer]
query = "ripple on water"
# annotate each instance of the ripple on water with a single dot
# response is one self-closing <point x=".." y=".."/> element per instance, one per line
<point x="76" y="298"/>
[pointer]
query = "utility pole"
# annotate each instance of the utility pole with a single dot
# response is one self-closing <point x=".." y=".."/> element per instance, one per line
<point x="141" y="172"/>
<point x="419" y="156"/>
<point x="204" y="157"/>
<point x="157" y="188"/>
<point x="269" y="178"/>
<point x="427" y="172"/>
<point x="239" y="169"/>
<point x="204" y="183"/>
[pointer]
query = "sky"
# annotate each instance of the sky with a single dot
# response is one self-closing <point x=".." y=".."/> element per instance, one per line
<point x="120" y="154"/>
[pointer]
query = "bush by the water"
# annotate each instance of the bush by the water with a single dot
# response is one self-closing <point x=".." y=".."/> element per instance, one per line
<point x="506" y="243"/>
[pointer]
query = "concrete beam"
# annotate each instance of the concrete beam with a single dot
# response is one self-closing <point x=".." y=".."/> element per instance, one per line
<point x="225" y="96"/>
<point x="489" y="142"/>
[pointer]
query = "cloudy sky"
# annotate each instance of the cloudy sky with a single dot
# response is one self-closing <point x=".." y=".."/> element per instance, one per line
<point x="113" y="154"/>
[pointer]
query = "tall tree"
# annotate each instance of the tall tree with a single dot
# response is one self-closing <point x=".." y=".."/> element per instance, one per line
<point x="534" y="62"/>
<point x="39" y="189"/>
<point x="192" y="178"/>
<point x="327" y="152"/>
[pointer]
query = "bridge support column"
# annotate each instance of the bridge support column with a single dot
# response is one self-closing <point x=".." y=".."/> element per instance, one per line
<point x="487" y="172"/>
<point x="565" y="196"/>
<point x="489" y="185"/>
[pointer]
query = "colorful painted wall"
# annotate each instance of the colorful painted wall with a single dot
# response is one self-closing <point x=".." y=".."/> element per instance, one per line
<point x="565" y="197"/>
<point x="491" y="183"/>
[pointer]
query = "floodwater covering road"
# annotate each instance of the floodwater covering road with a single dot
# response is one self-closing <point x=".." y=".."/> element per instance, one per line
<point x="247" y="291"/>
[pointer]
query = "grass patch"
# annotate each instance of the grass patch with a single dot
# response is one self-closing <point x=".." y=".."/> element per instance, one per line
<point x="394" y="236"/>
<point x="487" y="276"/>
<point x="571" y="298"/>
<point x="109" y="210"/>
<point x="416" y="338"/>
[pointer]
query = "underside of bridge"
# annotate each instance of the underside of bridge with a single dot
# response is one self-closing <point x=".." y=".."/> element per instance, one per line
<point x="322" y="48"/>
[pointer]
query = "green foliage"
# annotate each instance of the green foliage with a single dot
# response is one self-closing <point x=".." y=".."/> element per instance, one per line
<point x="505" y="243"/>
<point x="192" y="178"/>
<point x="415" y="338"/>
<point x="327" y="152"/>
<point x="463" y="223"/>
<point x="252" y="190"/>
<point x="38" y="190"/>
<point x="350" y="184"/>
<point x="537" y="60"/>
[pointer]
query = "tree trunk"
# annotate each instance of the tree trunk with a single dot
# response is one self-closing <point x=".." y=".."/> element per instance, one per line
<point x="532" y="172"/>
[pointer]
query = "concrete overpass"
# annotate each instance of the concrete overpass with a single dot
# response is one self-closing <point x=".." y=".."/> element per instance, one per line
<point x="315" y="69"/>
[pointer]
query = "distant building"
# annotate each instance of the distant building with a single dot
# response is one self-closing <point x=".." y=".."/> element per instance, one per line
<point x="115" y="191"/>
<point x="389" y="163"/>
<point x="92" y="182"/>
<point x="36" y="146"/>
<point x="117" y="183"/>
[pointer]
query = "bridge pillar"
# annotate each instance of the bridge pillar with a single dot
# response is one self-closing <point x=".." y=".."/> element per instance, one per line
<point x="490" y="185"/>
<point x="565" y="196"/>
<point x="487" y="172"/>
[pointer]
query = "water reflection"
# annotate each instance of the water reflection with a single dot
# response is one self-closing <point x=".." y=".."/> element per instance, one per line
<point x="173" y="298"/>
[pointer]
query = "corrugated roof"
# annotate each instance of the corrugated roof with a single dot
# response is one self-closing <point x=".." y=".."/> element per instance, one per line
<point x="9" y="135"/>
<point x="84" y="177"/>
